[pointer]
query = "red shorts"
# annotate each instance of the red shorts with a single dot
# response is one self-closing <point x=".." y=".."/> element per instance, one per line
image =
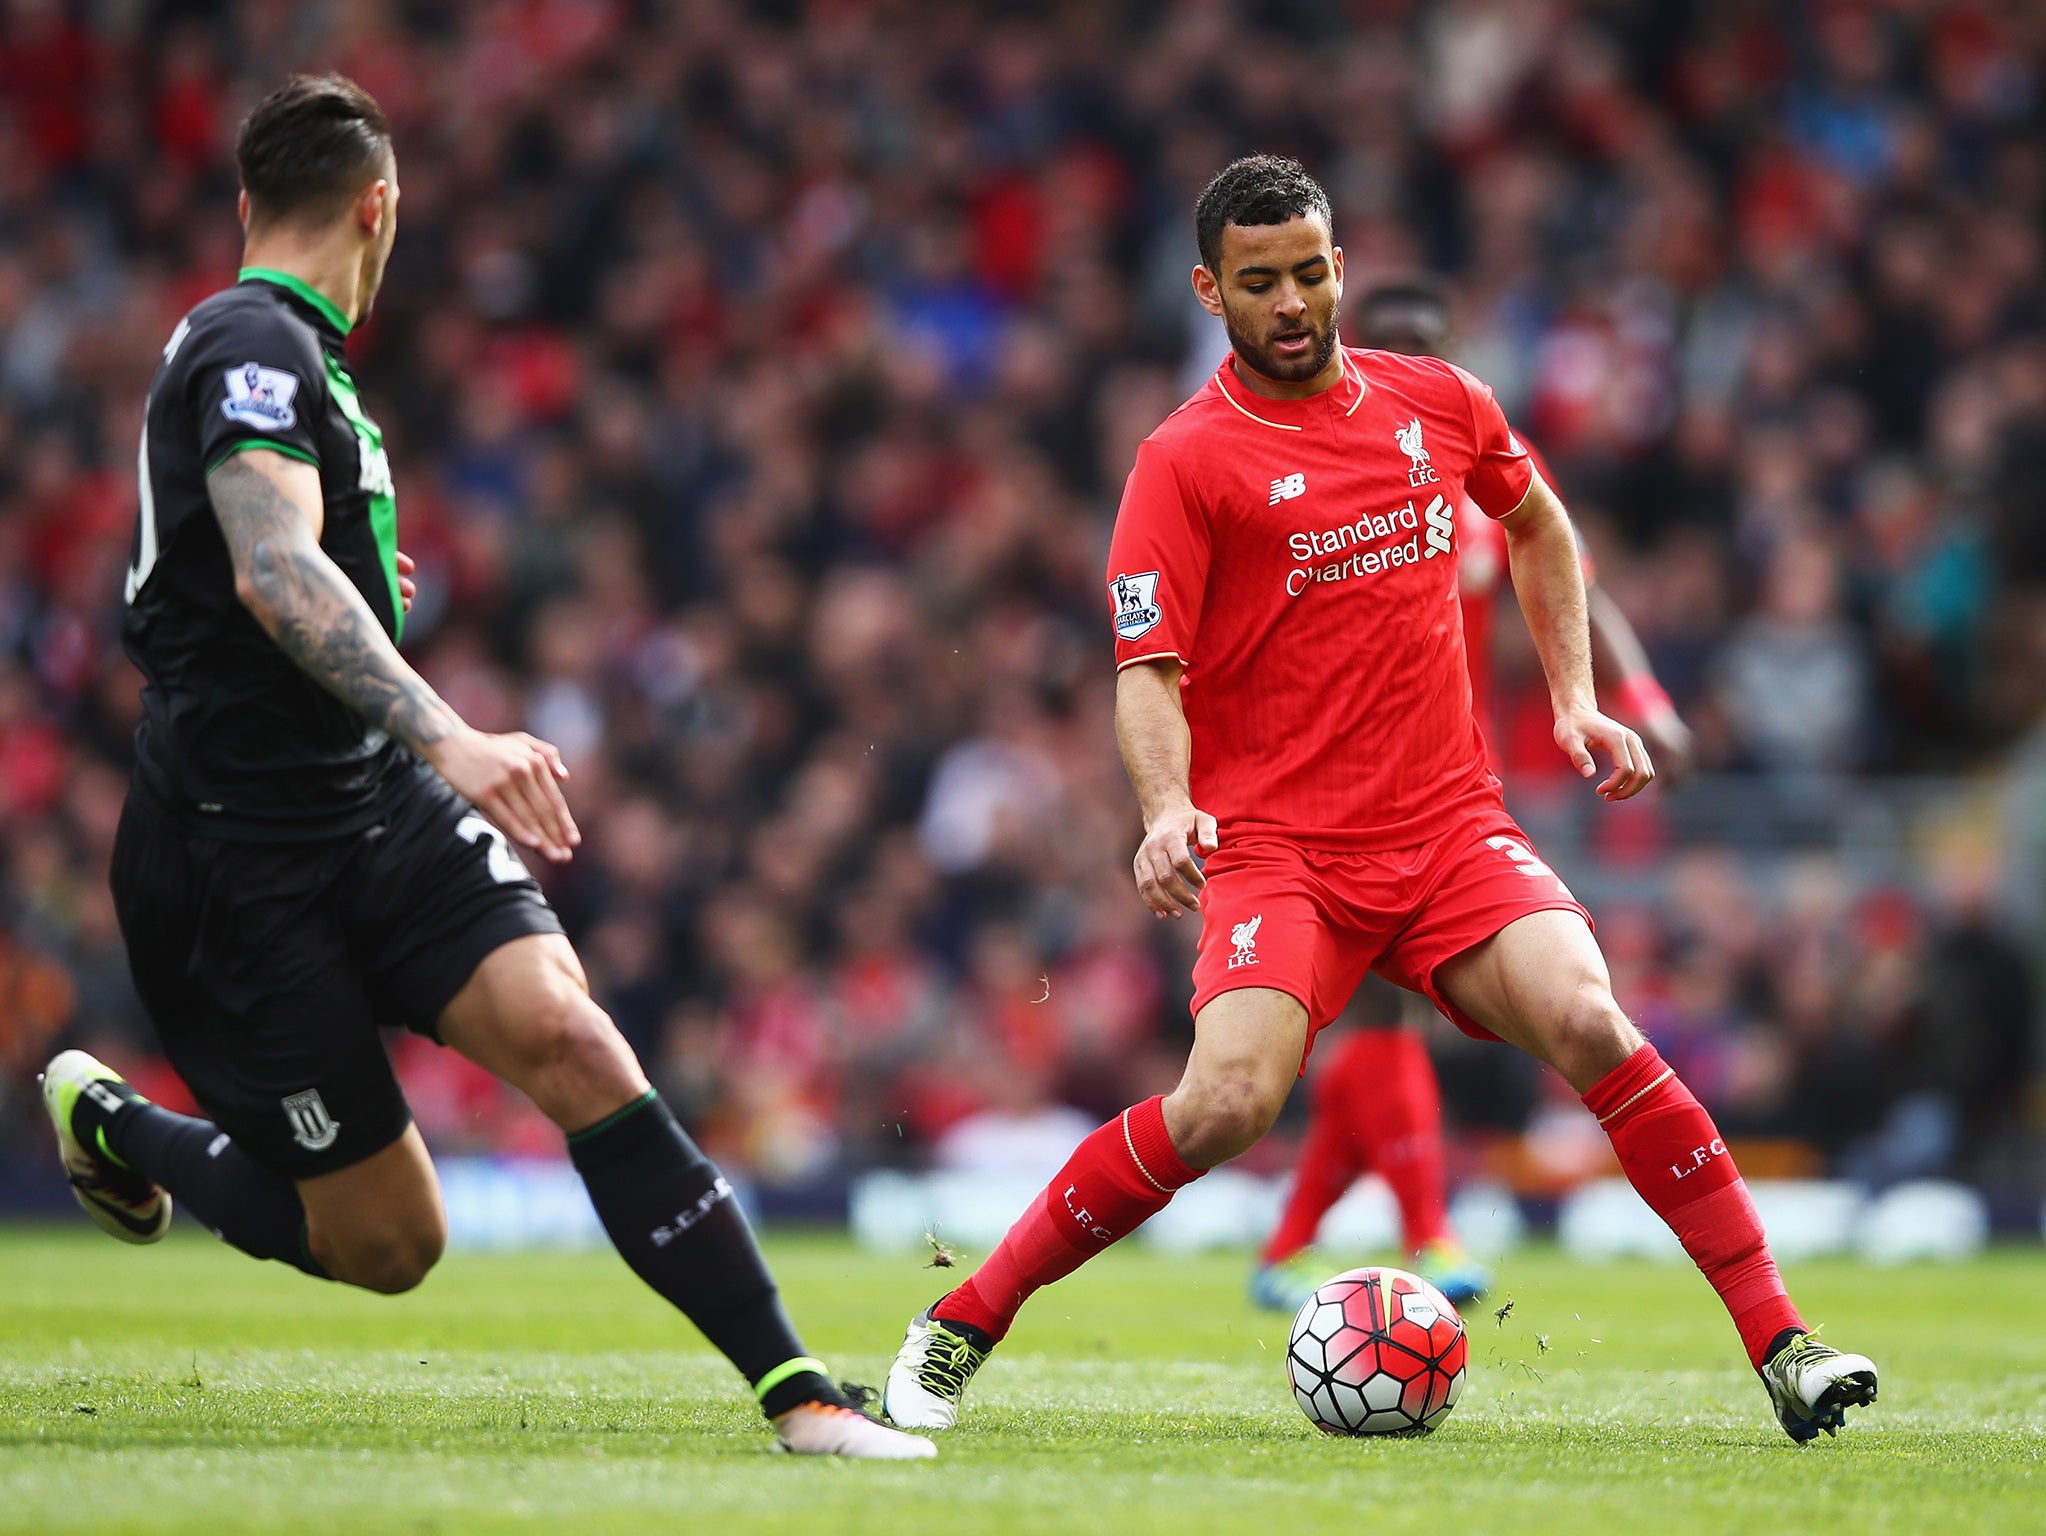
<point x="1310" y="923"/>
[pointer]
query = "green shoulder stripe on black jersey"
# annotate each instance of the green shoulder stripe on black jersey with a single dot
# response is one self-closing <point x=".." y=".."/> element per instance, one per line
<point x="289" y="450"/>
<point x="304" y="290"/>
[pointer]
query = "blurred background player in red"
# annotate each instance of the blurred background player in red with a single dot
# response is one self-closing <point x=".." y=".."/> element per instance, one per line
<point x="1376" y="1106"/>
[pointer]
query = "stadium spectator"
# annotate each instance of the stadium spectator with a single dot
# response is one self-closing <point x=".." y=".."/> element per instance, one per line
<point x="737" y="368"/>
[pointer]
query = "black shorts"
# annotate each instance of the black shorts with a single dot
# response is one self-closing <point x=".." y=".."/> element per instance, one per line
<point x="267" y="967"/>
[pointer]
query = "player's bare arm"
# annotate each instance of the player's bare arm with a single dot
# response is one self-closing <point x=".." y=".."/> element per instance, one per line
<point x="1548" y="580"/>
<point x="1157" y="753"/>
<point x="1617" y="652"/>
<point x="270" y="511"/>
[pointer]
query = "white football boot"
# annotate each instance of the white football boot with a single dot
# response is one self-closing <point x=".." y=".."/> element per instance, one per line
<point x="928" y="1379"/>
<point x="1812" y="1385"/>
<point x="821" y="1429"/>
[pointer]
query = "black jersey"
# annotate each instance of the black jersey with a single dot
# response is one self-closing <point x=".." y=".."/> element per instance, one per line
<point x="235" y="738"/>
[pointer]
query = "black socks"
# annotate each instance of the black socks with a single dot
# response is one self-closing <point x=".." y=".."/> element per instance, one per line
<point x="673" y="1219"/>
<point x="667" y="1208"/>
<point x="235" y="1198"/>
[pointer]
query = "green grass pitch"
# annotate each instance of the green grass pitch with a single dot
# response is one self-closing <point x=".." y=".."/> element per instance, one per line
<point x="187" y="1389"/>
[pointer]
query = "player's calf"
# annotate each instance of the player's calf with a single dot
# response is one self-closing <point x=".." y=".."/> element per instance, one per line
<point x="526" y="1015"/>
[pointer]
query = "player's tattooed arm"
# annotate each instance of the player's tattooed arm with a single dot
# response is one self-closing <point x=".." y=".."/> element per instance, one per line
<point x="1157" y="753"/>
<point x="270" y="512"/>
<point x="1548" y="579"/>
<point x="311" y="609"/>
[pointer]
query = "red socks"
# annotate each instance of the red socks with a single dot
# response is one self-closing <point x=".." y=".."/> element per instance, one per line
<point x="1675" y="1160"/>
<point x="1126" y="1172"/>
<point x="1115" y="1181"/>
<point x="1376" y="1106"/>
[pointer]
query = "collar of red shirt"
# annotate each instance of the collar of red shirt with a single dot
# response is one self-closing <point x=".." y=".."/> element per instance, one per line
<point x="1338" y="401"/>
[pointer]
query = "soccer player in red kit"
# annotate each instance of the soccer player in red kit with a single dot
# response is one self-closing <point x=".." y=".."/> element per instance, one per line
<point x="1293" y="708"/>
<point x="1374" y="1104"/>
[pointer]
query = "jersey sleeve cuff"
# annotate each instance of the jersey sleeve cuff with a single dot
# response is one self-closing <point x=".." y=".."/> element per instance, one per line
<point x="1516" y="502"/>
<point x="289" y="450"/>
<point x="1150" y="656"/>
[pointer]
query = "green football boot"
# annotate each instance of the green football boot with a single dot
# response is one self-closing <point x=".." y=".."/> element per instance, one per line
<point x="122" y="1201"/>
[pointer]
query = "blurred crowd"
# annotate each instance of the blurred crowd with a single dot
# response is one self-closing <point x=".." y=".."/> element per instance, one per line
<point x="760" y="379"/>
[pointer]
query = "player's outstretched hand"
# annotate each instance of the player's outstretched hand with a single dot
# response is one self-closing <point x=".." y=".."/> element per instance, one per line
<point x="1169" y="874"/>
<point x="1580" y="732"/>
<point x="407" y="587"/>
<point x="515" y="780"/>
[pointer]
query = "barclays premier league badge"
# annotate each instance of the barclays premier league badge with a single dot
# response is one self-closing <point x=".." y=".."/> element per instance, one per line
<point x="261" y="397"/>
<point x="1136" y="607"/>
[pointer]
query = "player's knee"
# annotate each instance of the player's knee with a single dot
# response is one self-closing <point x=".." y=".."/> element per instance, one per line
<point x="578" y="1065"/>
<point x="390" y="1260"/>
<point x="1222" y="1118"/>
<point x="561" y="1028"/>
<point x="1588" y="1034"/>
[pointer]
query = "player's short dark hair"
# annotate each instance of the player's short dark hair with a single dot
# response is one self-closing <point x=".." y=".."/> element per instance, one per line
<point x="1409" y="306"/>
<point x="310" y="145"/>
<point x="1258" y="189"/>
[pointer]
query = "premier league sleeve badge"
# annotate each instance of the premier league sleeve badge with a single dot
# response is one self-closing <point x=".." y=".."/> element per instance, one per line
<point x="261" y="397"/>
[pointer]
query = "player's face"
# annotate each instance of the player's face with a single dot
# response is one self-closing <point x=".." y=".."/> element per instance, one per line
<point x="1279" y="290"/>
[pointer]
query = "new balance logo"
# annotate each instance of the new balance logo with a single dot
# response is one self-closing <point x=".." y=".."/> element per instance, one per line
<point x="1286" y="487"/>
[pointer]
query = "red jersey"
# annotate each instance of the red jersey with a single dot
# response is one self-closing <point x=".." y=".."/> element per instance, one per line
<point x="1298" y="558"/>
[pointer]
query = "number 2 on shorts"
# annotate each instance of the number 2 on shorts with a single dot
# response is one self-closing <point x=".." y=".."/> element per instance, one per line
<point x="503" y="863"/>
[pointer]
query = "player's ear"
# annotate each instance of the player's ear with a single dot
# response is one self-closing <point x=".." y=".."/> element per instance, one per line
<point x="1335" y="264"/>
<point x="373" y="207"/>
<point x="241" y="209"/>
<point x="1207" y="290"/>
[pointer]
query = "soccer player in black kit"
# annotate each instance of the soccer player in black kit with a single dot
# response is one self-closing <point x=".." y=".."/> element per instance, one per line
<point x="314" y="844"/>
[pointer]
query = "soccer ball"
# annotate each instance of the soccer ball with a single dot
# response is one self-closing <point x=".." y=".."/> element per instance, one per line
<point x="1377" y="1352"/>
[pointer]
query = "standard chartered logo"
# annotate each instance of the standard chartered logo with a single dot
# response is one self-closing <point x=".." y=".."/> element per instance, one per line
<point x="1383" y="531"/>
<point x="1441" y="525"/>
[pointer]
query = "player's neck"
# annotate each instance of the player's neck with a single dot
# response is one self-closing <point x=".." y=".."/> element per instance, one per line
<point x="332" y="270"/>
<point x="1288" y="389"/>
